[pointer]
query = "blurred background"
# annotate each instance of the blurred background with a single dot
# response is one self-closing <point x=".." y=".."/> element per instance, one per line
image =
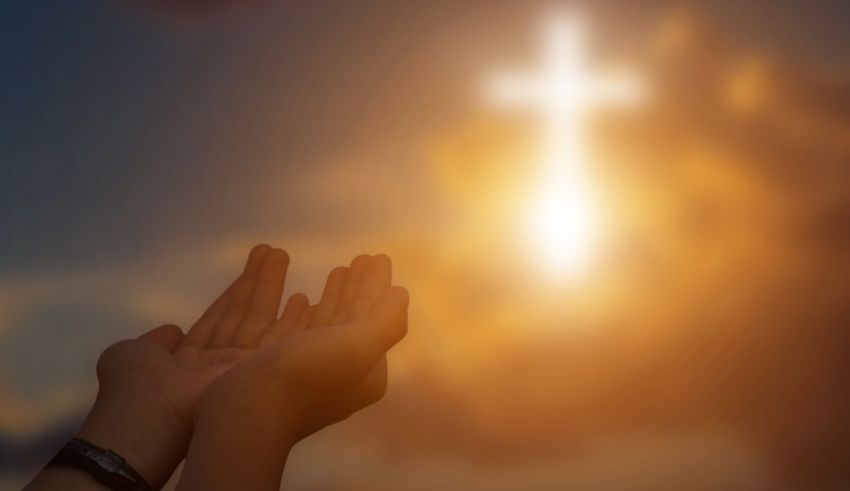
<point x="145" y="148"/>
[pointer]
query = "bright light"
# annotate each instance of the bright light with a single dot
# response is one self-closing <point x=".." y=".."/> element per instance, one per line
<point x="563" y="228"/>
<point x="563" y="215"/>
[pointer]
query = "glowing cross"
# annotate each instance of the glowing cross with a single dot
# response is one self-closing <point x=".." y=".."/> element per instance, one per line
<point x="563" y="92"/>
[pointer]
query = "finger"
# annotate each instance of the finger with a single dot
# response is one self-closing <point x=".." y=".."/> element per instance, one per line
<point x="356" y="273"/>
<point x="240" y="298"/>
<point x="386" y="323"/>
<point x="303" y="322"/>
<point x="167" y="336"/>
<point x="265" y="299"/>
<point x="332" y="357"/>
<point x="330" y="296"/>
<point x="377" y="279"/>
<point x="357" y="348"/>
<point x="294" y="307"/>
<point x="202" y="331"/>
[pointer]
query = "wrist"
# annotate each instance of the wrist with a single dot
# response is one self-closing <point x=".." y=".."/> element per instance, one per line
<point x="256" y="407"/>
<point x="140" y="427"/>
<point x="240" y="441"/>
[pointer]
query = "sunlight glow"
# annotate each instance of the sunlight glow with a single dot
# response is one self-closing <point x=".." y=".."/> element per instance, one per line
<point x="563" y="227"/>
<point x="563" y="218"/>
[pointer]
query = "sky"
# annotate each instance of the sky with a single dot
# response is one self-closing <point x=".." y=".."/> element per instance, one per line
<point x="144" y="150"/>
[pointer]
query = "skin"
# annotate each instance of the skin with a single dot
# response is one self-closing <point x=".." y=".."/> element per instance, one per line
<point x="319" y="370"/>
<point x="244" y="381"/>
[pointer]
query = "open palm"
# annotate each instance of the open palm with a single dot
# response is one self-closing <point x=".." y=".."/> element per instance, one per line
<point x="175" y="368"/>
<point x="329" y="361"/>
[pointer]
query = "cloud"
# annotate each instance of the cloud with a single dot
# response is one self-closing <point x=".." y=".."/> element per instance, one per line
<point x="713" y="329"/>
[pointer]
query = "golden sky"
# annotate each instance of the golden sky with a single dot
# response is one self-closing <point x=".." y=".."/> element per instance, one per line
<point x="705" y="346"/>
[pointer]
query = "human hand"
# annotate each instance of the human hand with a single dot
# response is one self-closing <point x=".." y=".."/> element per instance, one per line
<point x="306" y="374"/>
<point x="149" y="386"/>
<point x="329" y="362"/>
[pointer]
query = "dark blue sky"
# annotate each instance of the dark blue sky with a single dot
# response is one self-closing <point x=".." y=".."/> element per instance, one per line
<point x="111" y="128"/>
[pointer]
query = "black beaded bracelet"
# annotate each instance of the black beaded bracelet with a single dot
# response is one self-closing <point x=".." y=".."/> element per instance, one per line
<point x="104" y="465"/>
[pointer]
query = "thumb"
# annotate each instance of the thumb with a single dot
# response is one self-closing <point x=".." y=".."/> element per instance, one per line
<point x="386" y="324"/>
<point x="167" y="336"/>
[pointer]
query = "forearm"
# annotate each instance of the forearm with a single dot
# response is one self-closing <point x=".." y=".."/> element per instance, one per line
<point x="143" y="431"/>
<point x="237" y="444"/>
